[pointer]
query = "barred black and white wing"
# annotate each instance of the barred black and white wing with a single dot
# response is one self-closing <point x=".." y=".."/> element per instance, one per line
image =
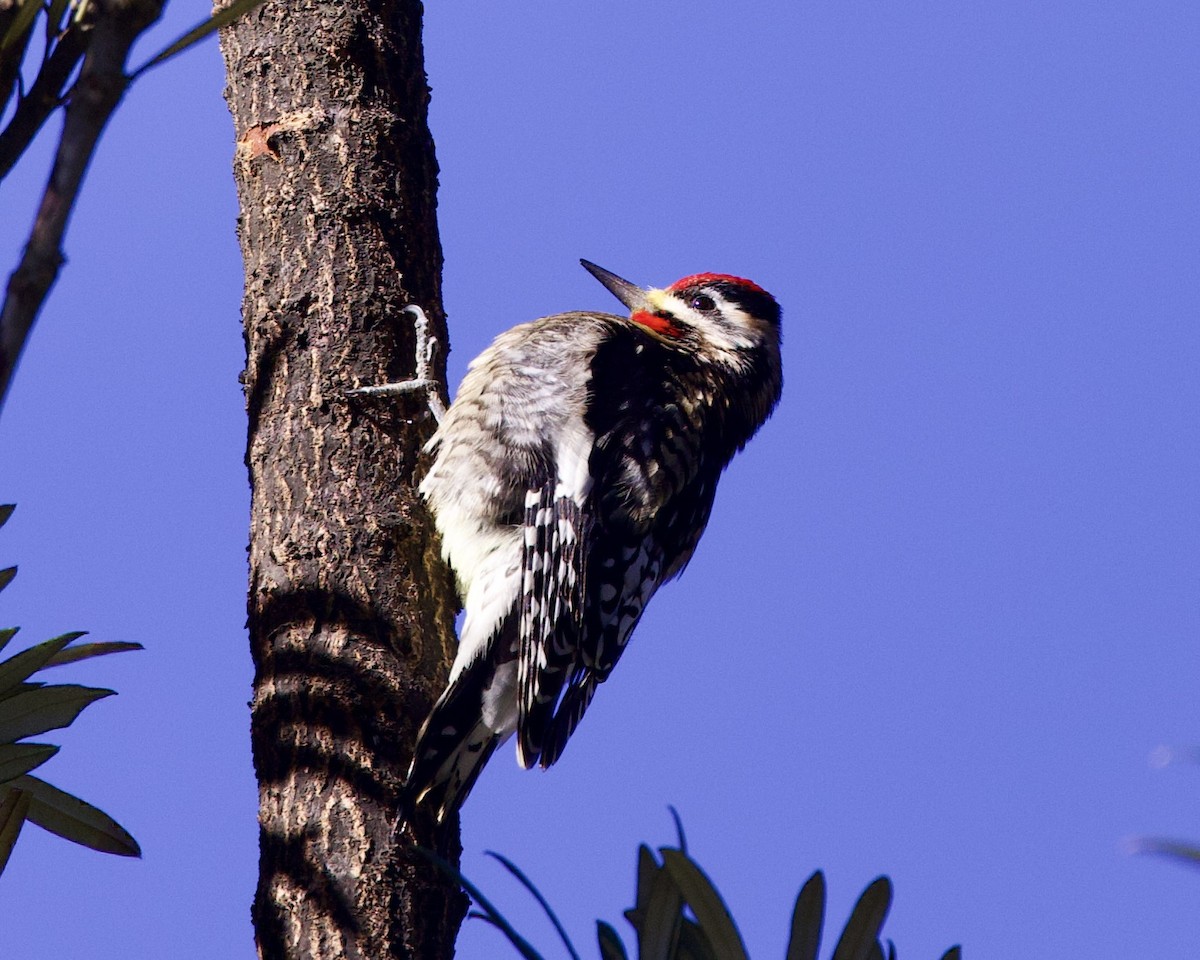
<point x="553" y="574"/>
<point x="622" y="582"/>
<point x="652" y="495"/>
<point x="626" y="568"/>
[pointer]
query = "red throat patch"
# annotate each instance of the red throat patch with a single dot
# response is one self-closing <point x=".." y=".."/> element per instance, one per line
<point x="656" y="323"/>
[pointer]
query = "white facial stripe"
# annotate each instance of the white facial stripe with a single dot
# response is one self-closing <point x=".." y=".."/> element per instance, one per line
<point x="731" y="329"/>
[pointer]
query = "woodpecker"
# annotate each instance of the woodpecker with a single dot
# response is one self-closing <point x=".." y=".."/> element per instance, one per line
<point x="572" y="476"/>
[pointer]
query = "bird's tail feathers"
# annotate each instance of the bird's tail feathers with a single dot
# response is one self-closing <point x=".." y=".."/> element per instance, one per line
<point x="452" y="748"/>
<point x="566" y="718"/>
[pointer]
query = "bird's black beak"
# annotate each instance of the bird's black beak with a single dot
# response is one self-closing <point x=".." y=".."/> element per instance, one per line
<point x="633" y="296"/>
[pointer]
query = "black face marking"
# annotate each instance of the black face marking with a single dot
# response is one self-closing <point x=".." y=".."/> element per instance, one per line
<point x="757" y="303"/>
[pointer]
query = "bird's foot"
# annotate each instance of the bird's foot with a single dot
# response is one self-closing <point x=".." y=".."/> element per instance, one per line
<point x="424" y="380"/>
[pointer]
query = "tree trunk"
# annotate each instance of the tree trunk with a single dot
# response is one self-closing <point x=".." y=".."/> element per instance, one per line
<point x="350" y="609"/>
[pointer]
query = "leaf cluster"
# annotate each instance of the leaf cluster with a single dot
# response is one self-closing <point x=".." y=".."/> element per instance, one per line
<point x="30" y="706"/>
<point x="679" y="914"/>
<point x="38" y="65"/>
<point x="77" y="60"/>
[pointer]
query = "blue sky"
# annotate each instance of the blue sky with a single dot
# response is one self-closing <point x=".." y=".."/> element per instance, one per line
<point x="948" y="601"/>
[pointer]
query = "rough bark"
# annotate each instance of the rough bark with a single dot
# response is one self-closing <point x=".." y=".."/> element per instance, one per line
<point x="350" y="610"/>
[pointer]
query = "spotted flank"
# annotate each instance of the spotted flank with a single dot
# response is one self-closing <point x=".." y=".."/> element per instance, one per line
<point x="624" y="583"/>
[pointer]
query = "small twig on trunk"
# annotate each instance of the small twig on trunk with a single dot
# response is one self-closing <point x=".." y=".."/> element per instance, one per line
<point x="96" y="93"/>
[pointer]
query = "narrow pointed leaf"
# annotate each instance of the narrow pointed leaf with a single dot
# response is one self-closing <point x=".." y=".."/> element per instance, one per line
<point x="658" y="925"/>
<point x="19" y="758"/>
<point x="7" y="634"/>
<point x="693" y="944"/>
<point x="611" y="947"/>
<point x="45" y="708"/>
<point x="6" y="576"/>
<point x="710" y="910"/>
<point x="87" y="650"/>
<point x="54" y="18"/>
<point x="807" y="919"/>
<point x="537" y="895"/>
<point x="20" y="667"/>
<point x="527" y="951"/>
<point x="679" y="829"/>
<point x="19" y="688"/>
<point x="73" y="819"/>
<point x="954" y="953"/>
<point x="489" y="913"/>
<point x="647" y="870"/>
<point x="6" y="511"/>
<point x="20" y="23"/>
<point x="862" y="929"/>
<point x="14" y="804"/>
<point x="222" y="17"/>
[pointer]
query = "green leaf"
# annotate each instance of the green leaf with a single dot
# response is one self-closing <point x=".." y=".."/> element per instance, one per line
<point x="710" y="910"/>
<point x="496" y="920"/>
<point x="537" y="895"/>
<point x="73" y="819"/>
<point x="14" y="805"/>
<point x="647" y="870"/>
<point x="678" y="829"/>
<point x="19" y="668"/>
<point x="54" y="18"/>
<point x="6" y="511"/>
<point x="861" y="935"/>
<point x="658" y="924"/>
<point x="7" y="634"/>
<point x="693" y="944"/>
<point x="87" y="650"/>
<point x="16" y="30"/>
<point x="45" y="708"/>
<point x="954" y="953"/>
<point x="807" y="919"/>
<point x="19" y="688"/>
<point x="490" y="913"/>
<point x="223" y="17"/>
<point x="6" y="576"/>
<point x="19" y="758"/>
<point x="611" y="947"/>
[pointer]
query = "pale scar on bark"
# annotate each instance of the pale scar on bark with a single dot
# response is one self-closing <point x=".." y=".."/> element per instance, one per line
<point x="256" y="141"/>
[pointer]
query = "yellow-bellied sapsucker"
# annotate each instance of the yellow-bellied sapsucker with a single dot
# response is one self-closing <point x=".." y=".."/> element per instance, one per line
<point x="572" y="476"/>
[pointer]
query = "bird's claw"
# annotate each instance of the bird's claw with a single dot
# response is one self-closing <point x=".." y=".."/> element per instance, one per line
<point x="426" y="350"/>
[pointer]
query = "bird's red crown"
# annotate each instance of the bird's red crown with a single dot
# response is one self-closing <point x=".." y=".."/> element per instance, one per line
<point x="701" y="279"/>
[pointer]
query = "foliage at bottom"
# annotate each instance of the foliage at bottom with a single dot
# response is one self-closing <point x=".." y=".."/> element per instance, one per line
<point x="678" y="914"/>
<point x="29" y="707"/>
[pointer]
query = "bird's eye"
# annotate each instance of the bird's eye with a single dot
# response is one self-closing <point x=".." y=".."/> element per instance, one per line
<point x="704" y="303"/>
